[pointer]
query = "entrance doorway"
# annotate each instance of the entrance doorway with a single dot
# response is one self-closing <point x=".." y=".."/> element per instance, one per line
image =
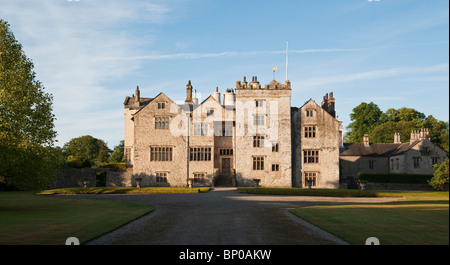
<point x="226" y="166"/>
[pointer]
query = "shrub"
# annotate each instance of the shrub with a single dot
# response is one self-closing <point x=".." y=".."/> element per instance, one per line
<point x="395" y="178"/>
<point x="114" y="166"/>
<point x="78" y="162"/>
<point x="440" y="176"/>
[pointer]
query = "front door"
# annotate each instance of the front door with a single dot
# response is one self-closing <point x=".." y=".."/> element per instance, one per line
<point x="226" y="165"/>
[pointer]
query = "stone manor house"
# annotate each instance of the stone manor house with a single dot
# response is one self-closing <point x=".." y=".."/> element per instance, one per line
<point x="251" y="133"/>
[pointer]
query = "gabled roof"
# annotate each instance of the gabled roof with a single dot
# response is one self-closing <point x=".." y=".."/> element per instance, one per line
<point x="147" y="103"/>
<point x="311" y="100"/>
<point x="377" y="149"/>
<point x="129" y="101"/>
<point x="212" y="98"/>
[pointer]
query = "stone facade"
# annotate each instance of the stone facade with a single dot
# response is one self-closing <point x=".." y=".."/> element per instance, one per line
<point x="414" y="157"/>
<point x="253" y="134"/>
<point x="263" y="134"/>
<point x="317" y="136"/>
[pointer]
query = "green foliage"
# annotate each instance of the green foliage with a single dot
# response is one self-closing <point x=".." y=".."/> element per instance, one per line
<point x="77" y="162"/>
<point x="117" y="155"/>
<point x="440" y="176"/>
<point x="394" y="178"/>
<point x="114" y="166"/>
<point x="87" y="147"/>
<point x="365" y="118"/>
<point x="27" y="133"/>
<point x="381" y="126"/>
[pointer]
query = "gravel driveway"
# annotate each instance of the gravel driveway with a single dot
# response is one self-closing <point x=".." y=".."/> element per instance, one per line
<point x="222" y="217"/>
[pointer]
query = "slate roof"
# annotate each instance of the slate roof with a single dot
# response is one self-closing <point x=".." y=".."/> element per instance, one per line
<point x="376" y="149"/>
<point x="129" y="101"/>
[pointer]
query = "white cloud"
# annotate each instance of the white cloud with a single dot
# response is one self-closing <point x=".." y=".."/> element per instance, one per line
<point x="76" y="46"/>
<point x="375" y="74"/>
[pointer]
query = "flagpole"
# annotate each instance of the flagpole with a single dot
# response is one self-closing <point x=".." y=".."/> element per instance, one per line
<point x="287" y="46"/>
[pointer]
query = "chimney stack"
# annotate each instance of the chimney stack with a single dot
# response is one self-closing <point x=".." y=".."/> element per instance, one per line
<point x="328" y="104"/>
<point x="188" y="93"/>
<point x="397" y="138"/>
<point x="137" y="96"/>
<point x="366" y="140"/>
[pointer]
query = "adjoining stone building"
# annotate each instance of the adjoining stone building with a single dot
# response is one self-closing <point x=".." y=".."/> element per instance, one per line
<point x="317" y="137"/>
<point x="253" y="134"/>
<point x="414" y="157"/>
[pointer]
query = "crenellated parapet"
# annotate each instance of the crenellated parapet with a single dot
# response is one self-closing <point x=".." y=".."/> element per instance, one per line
<point x="254" y="84"/>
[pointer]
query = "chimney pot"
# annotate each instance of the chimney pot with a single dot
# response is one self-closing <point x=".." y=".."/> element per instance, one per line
<point x="366" y="140"/>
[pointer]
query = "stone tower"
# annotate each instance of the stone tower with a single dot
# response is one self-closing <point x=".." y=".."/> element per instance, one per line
<point x="263" y="133"/>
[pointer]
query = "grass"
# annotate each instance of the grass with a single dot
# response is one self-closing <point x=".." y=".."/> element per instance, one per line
<point x="124" y="190"/>
<point x="30" y="219"/>
<point x="421" y="219"/>
<point x="319" y="192"/>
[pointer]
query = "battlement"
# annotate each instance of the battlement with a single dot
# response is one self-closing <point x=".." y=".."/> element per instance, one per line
<point x="254" y="84"/>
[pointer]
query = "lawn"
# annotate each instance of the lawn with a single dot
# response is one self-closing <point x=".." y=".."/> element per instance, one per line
<point x="319" y="192"/>
<point x="27" y="218"/>
<point x="421" y="219"/>
<point x="125" y="190"/>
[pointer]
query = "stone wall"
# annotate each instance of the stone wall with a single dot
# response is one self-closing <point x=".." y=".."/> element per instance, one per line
<point x="74" y="177"/>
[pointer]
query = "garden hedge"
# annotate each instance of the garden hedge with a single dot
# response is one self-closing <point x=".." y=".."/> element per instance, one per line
<point x="395" y="178"/>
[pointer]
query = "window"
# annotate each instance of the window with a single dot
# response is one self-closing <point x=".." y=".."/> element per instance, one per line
<point x="392" y="164"/>
<point x="310" y="132"/>
<point x="227" y="130"/>
<point x="258" y="119"/>
<point x="309" y="113"/>
<point x="371" y="164"/>
<point x="127" y="155"/>
<point x="275" y="167"/>
<point x="275" y="147"/>
<point x="226" y="152"/>
<point x="311" y="177"/>
<point x="425" y="151"/>
<point x="200" y="154"/>
<point x="161" y="122"/>
<point x="161" y="153"/>
<point x="223" y="129"/>
<point x="200" y="129"/>
<point x="199" y="178"/>
<point x="210" y="112"/>
<point x="311" y="156"/>
<point x="258" y="162"/>
<point x="416" y="162"/>
<point x="434" y="160"/>
<point x="161" y="105"/>
<point x="258" y="141"/>
<point x="161" y="177"/>
<point x="259" y="103"/>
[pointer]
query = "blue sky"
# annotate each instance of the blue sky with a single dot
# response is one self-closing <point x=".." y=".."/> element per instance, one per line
<point x="92" y="54"/>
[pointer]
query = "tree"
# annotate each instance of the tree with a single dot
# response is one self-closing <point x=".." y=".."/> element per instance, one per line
<point x="365" y="118"/>
<point x="440" y="176"/>
<point x="381" y="126"/>
<point x="89" y="148"/>
<point x="439" y="131"/>
<point x="403" y="121"/>
<point x="117" y="155"/>
<point x="26" y="119"/>
<point x="384" y="133"/>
